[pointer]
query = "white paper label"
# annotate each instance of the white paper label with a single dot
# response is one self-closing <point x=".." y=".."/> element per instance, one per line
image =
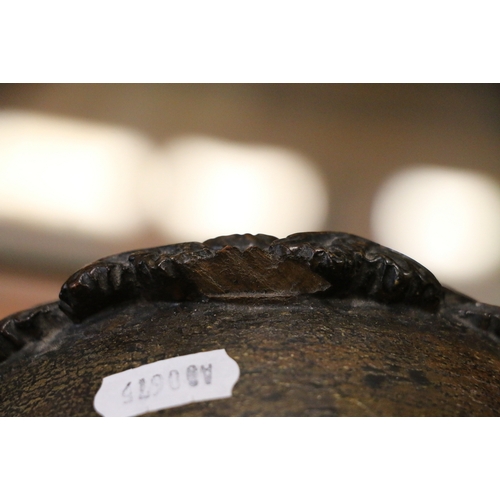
<point x="167" y="383"/>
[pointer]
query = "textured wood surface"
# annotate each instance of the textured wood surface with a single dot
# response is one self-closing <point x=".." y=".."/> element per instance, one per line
<point x="321" y="324"/>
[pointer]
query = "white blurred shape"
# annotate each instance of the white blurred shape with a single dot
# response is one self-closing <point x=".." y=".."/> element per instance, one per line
<point x="447" y="219"/>
<point x="69" y="175"/>
<point x="201" y="188"/>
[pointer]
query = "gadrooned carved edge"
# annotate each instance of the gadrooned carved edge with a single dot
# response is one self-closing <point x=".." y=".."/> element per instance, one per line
<point x="340" y="264"/>
<point x="326" y="263"/>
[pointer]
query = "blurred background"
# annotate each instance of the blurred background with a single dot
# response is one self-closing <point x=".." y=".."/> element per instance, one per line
<point x="88" y="170"/>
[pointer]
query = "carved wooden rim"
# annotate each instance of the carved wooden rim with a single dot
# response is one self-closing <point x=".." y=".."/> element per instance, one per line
<point x="247" y="266"/>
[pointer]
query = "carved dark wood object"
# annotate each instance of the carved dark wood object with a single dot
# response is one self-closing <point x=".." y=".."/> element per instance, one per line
<point x="319" y="324"/>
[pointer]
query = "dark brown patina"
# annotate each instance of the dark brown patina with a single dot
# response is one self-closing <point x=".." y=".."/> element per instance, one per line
<point x="319" y="323"/>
